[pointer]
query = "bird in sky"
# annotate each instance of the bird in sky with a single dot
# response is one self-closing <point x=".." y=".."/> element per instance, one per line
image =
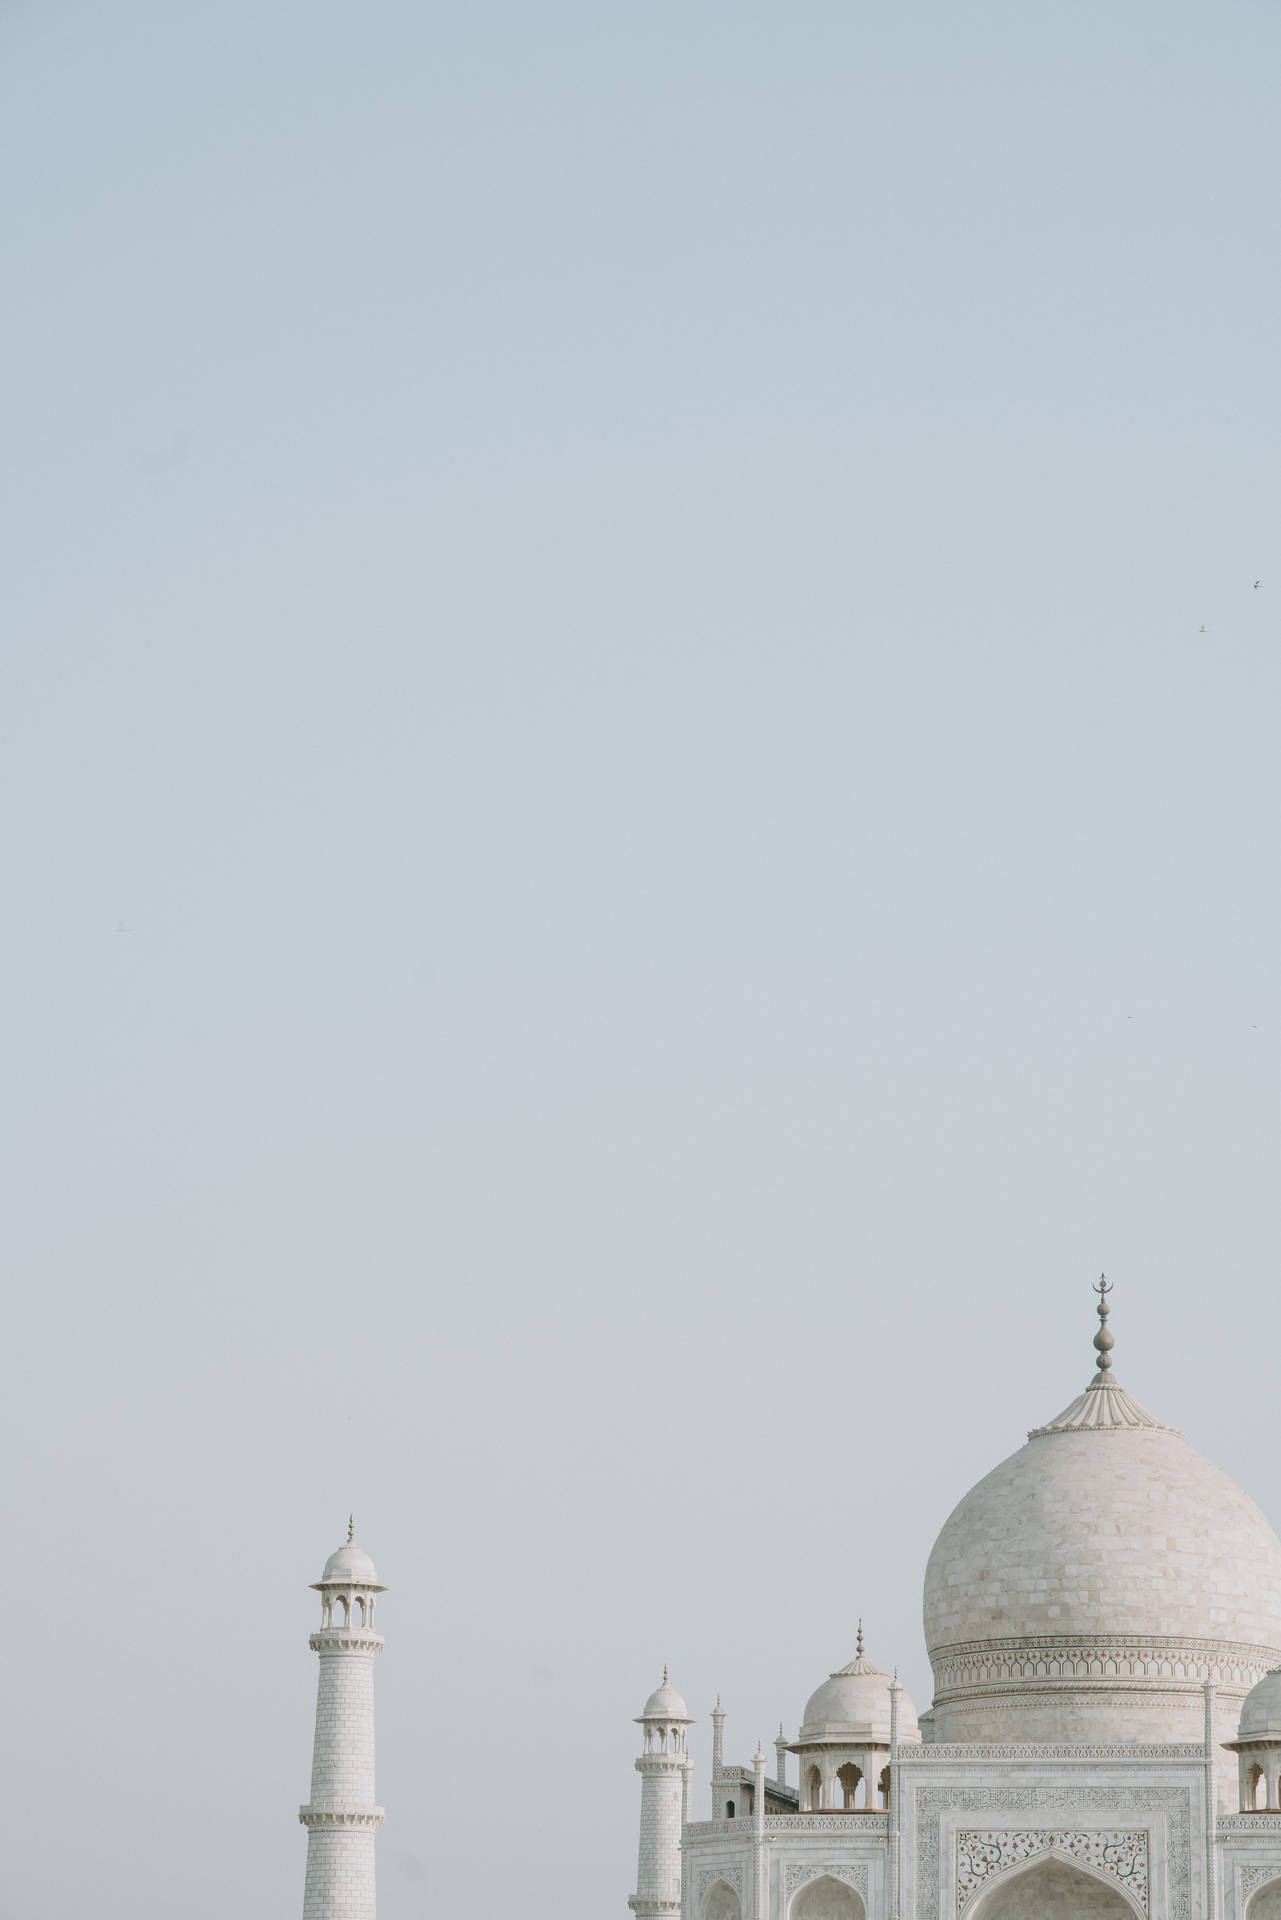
<point x="1202" y="629"/>
<point x="1257" y="585"/>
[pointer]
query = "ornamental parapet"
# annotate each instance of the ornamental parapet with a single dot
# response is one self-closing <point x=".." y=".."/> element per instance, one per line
<point x="345" y="1640"/>
<point x="854" y="1822"/>
<point x="1248" y="1823"/>
<point x="341" y="1817"/>
<point x="848" y="1820"/>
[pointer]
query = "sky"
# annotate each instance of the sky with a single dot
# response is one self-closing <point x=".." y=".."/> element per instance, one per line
<point x="638" y="829"/>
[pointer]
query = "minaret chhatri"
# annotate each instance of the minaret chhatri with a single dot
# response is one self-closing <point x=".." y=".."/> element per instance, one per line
<point x="662" y="1770"/>
<point x="340" y="1817"/>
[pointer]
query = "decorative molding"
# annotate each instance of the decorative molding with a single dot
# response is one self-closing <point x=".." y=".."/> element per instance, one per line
<point x="341" y="1816"/>
<point x="853" y="1824"/>
<point x="799" y="1871"/>
<point x="1097" y="1660"/>
<point x="1175" y="1753"/>
<point x="1261" y="1822"/>
<point x="345" y="1640"/>
<point x="980" y="1856"/>
<point x="930" y="1802"/>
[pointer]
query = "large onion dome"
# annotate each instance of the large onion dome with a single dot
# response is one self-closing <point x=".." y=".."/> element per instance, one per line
<point x="1091" y="1584"/>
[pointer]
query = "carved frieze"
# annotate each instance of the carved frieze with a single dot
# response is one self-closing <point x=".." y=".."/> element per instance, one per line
<point x="1171" y="1752"/>
<point x="799" y="1871"/>
<point x="988" y="1663"/>
<point x="980" y="1855"/>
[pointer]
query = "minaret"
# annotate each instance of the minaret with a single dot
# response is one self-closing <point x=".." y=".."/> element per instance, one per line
<point x="662" y="1771"/>
<point x="341" y="1818"/>
<point x="780" y="1751"/>
<point x="758" y="1837"/>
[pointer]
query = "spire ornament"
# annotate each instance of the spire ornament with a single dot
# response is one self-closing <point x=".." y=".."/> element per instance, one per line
<point x="1103" y="1340"/>
<point x="1104" y="1403"/>
<point x="351" y="1528"/>
<point x="858" y="1648"/>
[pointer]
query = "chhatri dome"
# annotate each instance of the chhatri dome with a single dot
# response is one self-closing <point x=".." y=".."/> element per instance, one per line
<point x="665" y="1704"/>
<point x="1095" y="1580"/>
<point x="853" y="1707"/>
<point x="349" y="1565"/>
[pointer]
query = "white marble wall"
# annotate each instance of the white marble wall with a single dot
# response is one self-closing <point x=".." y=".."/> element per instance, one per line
<point x="341" y="1817"/>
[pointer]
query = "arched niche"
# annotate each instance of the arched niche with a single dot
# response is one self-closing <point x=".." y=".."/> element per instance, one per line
<point x="827" y="1899"/>
<point x="1052" y="1888"/>
<point x="1266" y="1903"/>
<point x="722" y="1903"/>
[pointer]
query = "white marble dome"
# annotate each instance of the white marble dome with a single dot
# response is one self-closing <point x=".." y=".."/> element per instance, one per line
<point x="1090" y="1584"/>
<point x="349" y="1566"/>
<point x="1261" y="1709"/>
<point x="852" y="1708"/>
<point x="666" y="1704"/>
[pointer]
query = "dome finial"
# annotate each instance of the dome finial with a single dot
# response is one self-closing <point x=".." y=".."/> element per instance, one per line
<point x="351" y="1528"/>
<point x="1103" y="1341"/>
<point x="665" y="1680"/>
<point x="858" y="1647"/>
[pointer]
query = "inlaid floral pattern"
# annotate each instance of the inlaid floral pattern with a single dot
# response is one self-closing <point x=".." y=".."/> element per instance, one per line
<point x="980" y="1855"/>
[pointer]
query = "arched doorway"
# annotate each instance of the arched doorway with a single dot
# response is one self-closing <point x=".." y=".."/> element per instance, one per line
<point x="722" y="1903"/>
<point x="827" y="1899"/>
<point x="1266" y="1904"/>
<point x="1053" y="1889"/>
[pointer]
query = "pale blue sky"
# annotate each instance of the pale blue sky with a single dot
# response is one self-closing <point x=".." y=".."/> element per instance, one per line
<point x="624" y="868"/>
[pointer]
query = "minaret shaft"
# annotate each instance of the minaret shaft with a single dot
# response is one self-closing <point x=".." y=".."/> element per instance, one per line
<point x="663" y="1768"/>
<point x="341" y="1816"/>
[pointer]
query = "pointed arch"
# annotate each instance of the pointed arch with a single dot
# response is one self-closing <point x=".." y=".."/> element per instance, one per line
<point x="722" y="1903"/>
<point x="826" y="1899"/>
<point x="847" y="1779"/>
<point x="1265" y="1903"/>
<point x="1027" y="1890"/>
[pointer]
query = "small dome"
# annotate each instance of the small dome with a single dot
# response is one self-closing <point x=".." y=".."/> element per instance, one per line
<point x="350" y="1566"/>
<point x="665" y="1704"/>
<point x="852" y="1708"/>
<point x="1261" y="1709"/>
